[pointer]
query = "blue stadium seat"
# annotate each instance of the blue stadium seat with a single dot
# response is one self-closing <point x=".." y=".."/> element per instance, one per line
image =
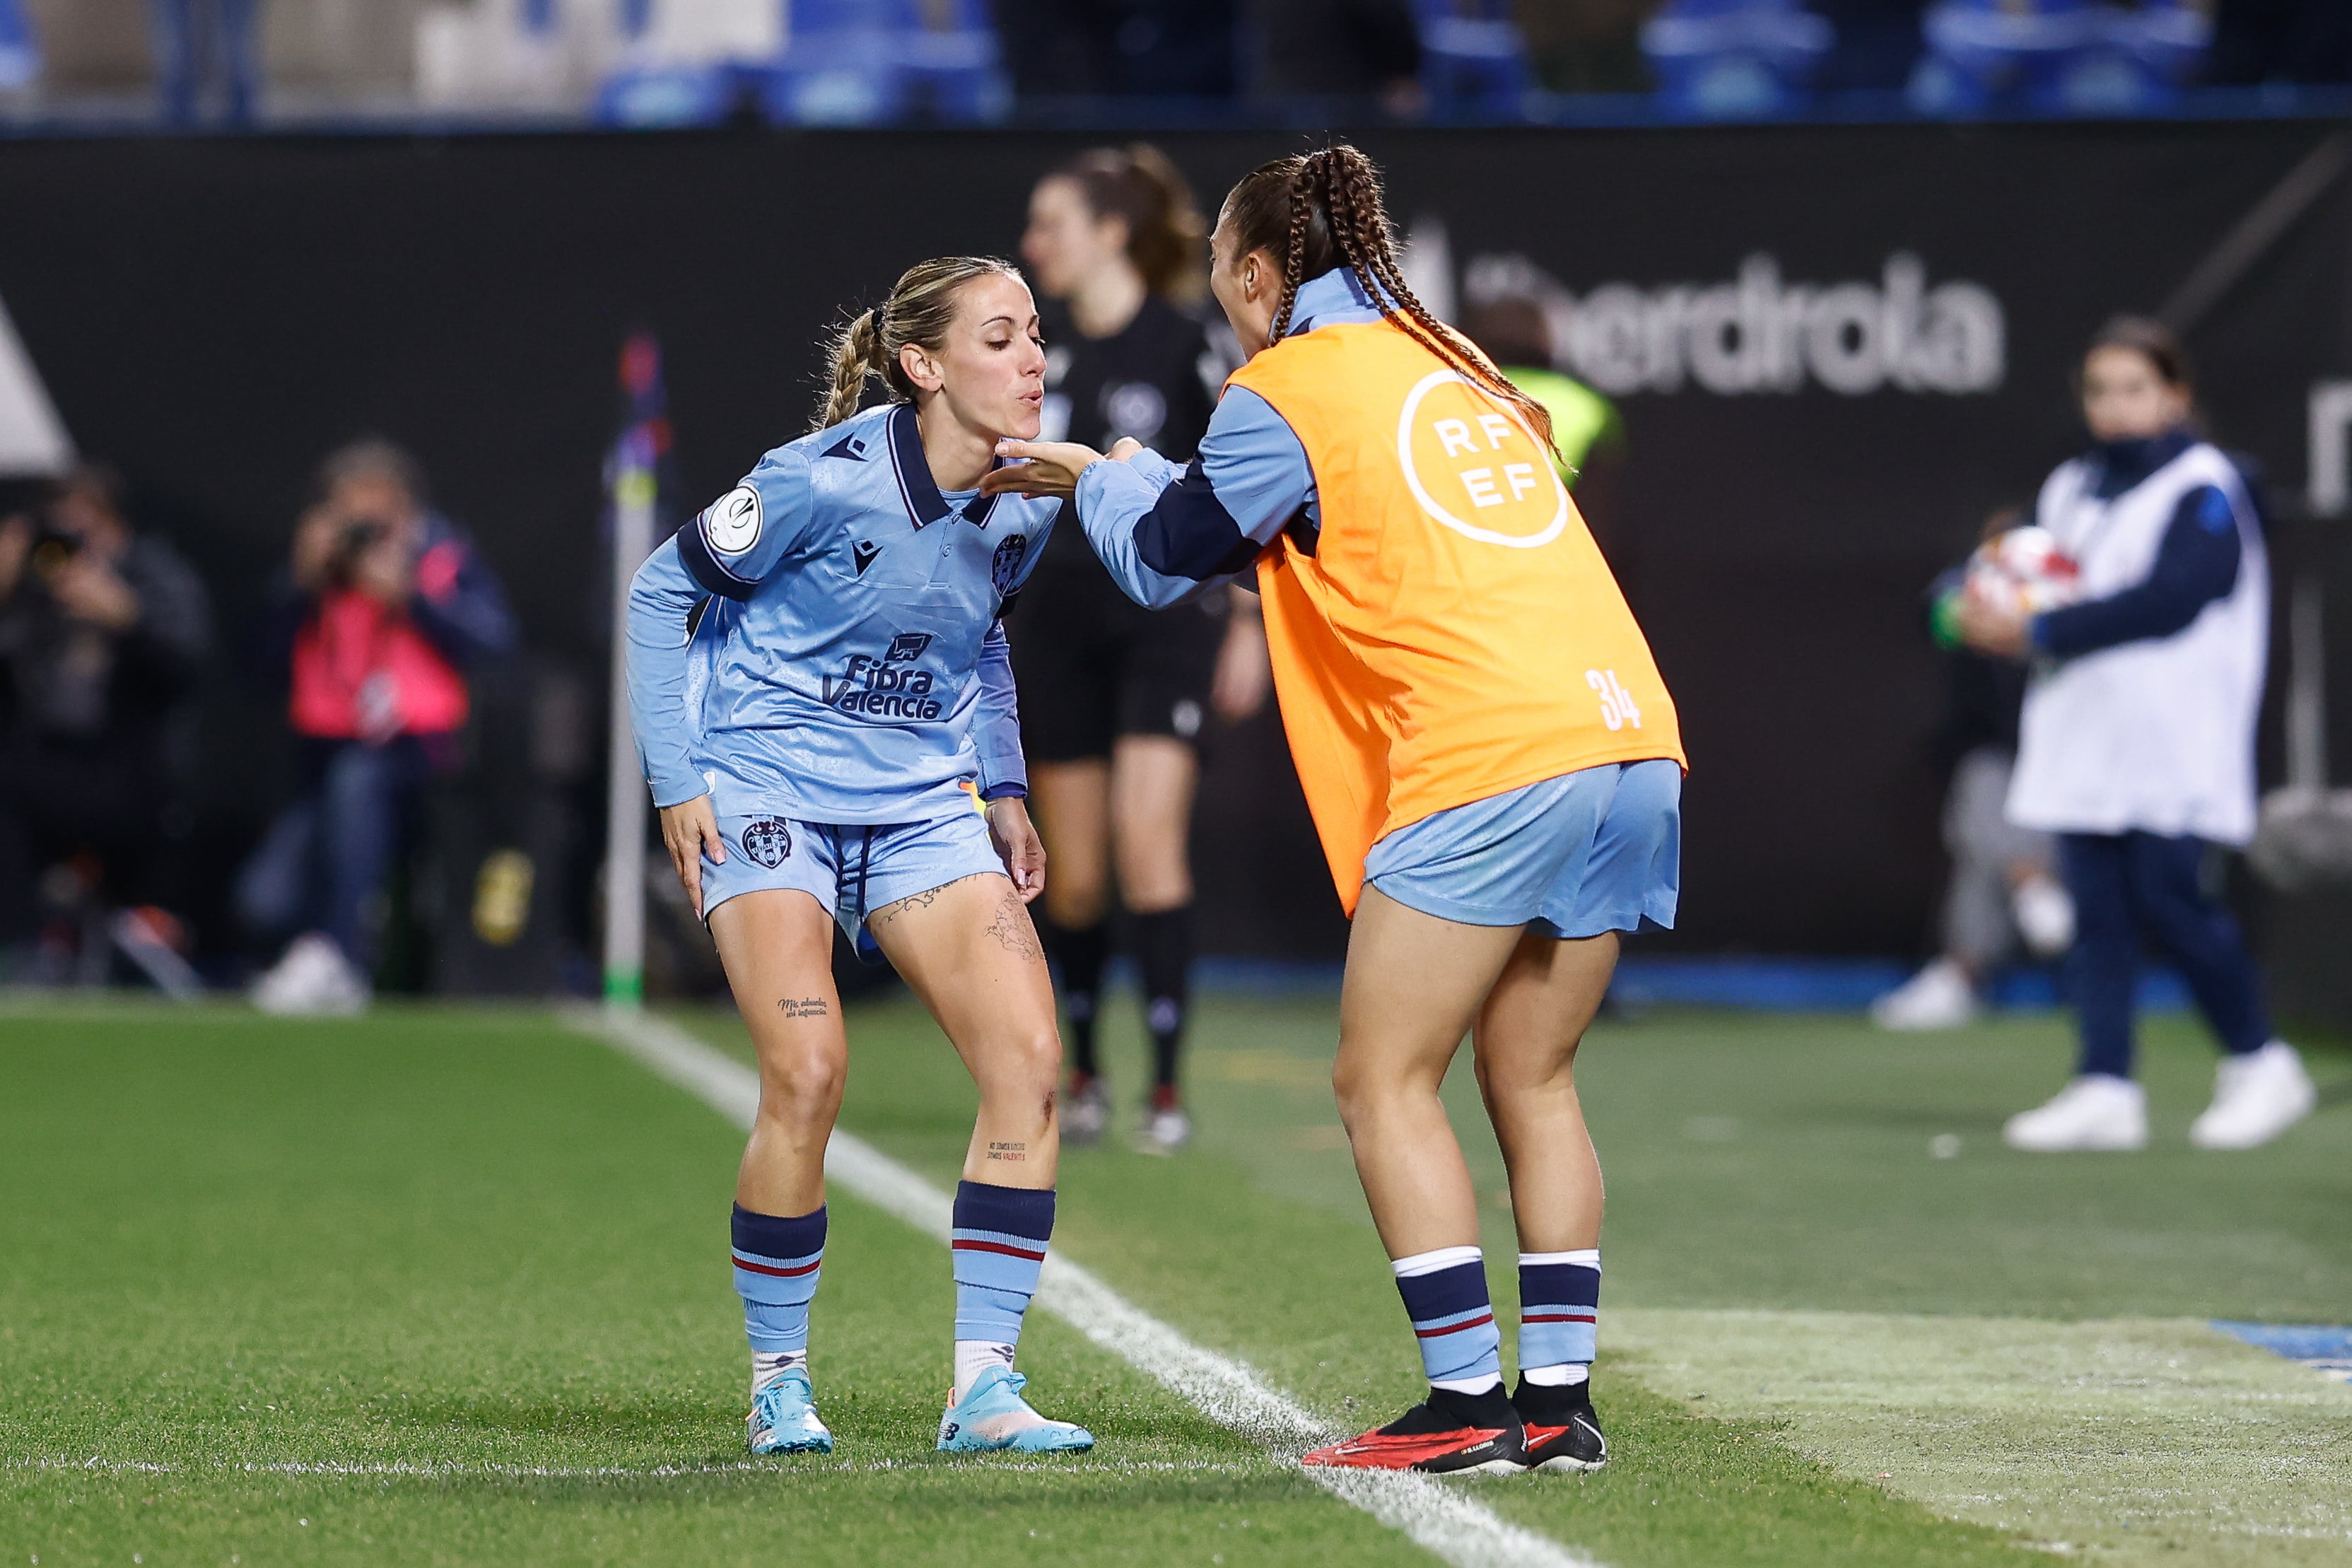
<point x="2057" y="56"/>
<point x="954" y="63"/>
<point x="1734" y="59"/>
<point x="843" y="64"/>
<point x="20" y="57"/>
<point x="703" y="93"/>
<point x="1474" y="58"/>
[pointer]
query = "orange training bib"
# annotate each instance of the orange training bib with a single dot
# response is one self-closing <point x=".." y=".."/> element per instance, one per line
<point x="1453" y="633"/>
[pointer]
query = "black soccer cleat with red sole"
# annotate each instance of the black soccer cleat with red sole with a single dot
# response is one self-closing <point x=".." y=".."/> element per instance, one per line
<point x="1563" y="1431"/>
<point x="1446" y="1433"/>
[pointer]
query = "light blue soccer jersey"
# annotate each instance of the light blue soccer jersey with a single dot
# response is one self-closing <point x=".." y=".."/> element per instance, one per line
<point x="849" y="666"/>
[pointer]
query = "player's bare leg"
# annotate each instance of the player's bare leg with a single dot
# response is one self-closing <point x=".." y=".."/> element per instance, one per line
<point x="969" y="951"/>
<point x="777" y="946"/>
<point x="1414" y="985"/>
<point x="1525" y="1046"/>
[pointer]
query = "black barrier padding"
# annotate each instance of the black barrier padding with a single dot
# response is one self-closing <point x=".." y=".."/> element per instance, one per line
<point x="215" y="314"/>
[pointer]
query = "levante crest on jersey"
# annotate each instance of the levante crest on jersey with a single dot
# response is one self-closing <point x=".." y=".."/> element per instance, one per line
<point x="1006" y="565"/>
<point x="769" y="841"/>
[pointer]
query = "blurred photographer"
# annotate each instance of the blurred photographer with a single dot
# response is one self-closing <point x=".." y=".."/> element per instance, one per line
<point x="103" y="633"/>
<point x="383" y="606"/>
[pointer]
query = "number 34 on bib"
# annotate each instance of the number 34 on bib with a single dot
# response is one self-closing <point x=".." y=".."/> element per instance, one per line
<point x="1617" y="707"/>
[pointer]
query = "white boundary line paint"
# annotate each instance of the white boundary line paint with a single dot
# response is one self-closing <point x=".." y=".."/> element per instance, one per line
<point x="491" y="1471"/>
<point x="1457" y="1528"/>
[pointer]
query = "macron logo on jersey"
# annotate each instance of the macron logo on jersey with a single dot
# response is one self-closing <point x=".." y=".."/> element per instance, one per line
<point x="864" y="553"/>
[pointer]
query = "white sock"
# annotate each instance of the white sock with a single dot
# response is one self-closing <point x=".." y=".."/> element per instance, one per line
<point x="1566" y="1373"/>
<point x="1469" y="1384"/>
<point x="973" y="1357"/>
<point x="768" y="1366"/>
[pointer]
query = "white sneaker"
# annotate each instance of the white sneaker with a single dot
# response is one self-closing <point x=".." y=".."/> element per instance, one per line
<point x="1939" y="997"/>
<point x="2257" y="1097"/>
<point x="1164" y="1131"/>
<point x="2044" y="913"/>
<point x="312" y="978"/>
<point x="2095" y="1112"/>
<point x="1085" y="1112"/>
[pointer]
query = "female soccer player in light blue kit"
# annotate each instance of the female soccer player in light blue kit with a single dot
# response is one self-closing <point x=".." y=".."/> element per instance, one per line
<point x="824" y="709"/>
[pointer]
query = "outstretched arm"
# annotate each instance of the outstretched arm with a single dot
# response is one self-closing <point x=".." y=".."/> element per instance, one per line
<point x="1168" y="534"/>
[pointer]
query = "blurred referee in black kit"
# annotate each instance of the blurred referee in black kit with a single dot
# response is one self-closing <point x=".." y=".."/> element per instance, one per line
<point x="1113" y="696"/>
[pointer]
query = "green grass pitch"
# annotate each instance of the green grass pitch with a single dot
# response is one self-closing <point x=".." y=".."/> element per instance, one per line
<point x="449" y="1286"/>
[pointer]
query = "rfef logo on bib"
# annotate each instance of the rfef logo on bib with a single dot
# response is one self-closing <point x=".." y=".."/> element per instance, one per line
<point x="1474" y="466"/>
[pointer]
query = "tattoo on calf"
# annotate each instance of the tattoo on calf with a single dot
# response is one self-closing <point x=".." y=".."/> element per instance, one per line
<point x="804" y="1007"/>
<point x="1013" y="930"/>
<point x="1016" y="1152"/>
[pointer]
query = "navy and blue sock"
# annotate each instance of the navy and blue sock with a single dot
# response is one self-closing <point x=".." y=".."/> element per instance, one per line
<point x="1445" y="1296"/>
<point x="999" y="1244"/>
<point x="1559" y="1315"/>
<point x="777" y="1262"/>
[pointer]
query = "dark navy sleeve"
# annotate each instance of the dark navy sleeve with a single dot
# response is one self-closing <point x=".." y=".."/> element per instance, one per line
<point x="2195" y="564"/>
<point x="736" y="540"/>
<point x="1167" y="534"/>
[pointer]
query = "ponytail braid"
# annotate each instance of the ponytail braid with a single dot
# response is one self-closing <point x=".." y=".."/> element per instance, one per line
<point x="1294" y="245"/>
<point x="1324" y="210"/>
<point x="1352" y="188"/>
<point x="856" y="355"/>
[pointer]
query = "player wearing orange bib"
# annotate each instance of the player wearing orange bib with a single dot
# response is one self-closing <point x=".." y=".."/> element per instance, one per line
<point x="1492" y="761"/>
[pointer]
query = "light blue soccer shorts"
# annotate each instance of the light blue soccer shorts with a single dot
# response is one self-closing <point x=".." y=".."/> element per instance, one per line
<point x="851" y="869"/>
<point x="1596" y="850"/>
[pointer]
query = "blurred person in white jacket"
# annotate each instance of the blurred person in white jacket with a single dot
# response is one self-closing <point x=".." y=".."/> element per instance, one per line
<point x="2137" y="745"/>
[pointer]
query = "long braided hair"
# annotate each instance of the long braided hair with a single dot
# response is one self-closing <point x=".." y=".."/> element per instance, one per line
<point x="1321" y="210"/>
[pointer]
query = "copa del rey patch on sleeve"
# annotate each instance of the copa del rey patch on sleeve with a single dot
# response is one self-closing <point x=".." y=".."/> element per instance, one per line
<point x="733" y="523"/>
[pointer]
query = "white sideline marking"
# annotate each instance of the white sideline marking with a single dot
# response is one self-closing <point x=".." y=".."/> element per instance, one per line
<point x="1459" y="1529"/>
<point x="457" y="1468"/>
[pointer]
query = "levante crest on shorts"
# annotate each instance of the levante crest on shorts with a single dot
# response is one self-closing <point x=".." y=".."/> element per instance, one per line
<point x="767" y="841"/>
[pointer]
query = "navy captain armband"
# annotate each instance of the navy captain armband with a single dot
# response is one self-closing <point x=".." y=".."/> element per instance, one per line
<point x="694" y="554"/>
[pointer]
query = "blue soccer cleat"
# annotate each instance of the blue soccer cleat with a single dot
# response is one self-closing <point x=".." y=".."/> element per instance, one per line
<point x="994" y="1418"/>
<point x="783" y="1417"/>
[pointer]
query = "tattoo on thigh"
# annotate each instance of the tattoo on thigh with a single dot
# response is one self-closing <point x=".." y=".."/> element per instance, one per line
<point x="1016" y="1152"/>
<point x="912" y="901"/>
<point x="804" y="1007"/>
<point x="1011" y="929"/>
